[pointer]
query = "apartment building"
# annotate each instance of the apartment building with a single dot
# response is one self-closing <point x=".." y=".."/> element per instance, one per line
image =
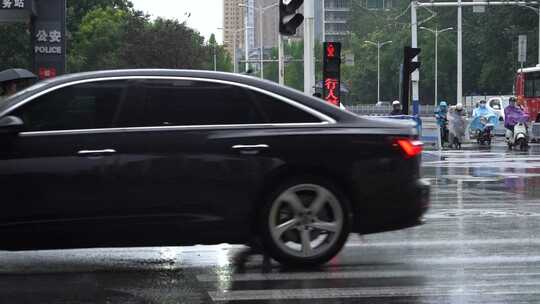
<point x="233" y="23"/>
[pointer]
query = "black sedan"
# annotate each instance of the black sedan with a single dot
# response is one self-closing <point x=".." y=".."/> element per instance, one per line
<point x="169" y="157"/>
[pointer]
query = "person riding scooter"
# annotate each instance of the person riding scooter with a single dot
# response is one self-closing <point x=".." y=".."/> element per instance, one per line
<point x="456" y="125"/>
<point x="483" y="123"/>
<point x="442" y="121"/>
<point x="515" y="122"/>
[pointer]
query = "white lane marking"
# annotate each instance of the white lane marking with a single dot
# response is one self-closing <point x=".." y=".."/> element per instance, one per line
<point x="476" y="213"/>
<point x="466" y="260"/>
<point x="485" y="160"/>
<point x="527" y="288"/>
<point x="360" y="274"/>
<point x="479" y="242"/>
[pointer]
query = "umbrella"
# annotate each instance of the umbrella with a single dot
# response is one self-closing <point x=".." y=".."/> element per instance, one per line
<point x="16" y="74"/>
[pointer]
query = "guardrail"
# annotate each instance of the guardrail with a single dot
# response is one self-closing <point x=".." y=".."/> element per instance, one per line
<point x="371" y="109"/>
<point x="535" y="130"/>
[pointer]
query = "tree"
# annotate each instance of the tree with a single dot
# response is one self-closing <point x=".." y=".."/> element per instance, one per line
<point x="15" y="49"/>
<point x="97" y="42"/>
<point x="161" y="44"/>
<point x="78" y="9"/>
<point x="489" y="49"/>
<point x="294" y="69"/>
<point x="223" y="60"/>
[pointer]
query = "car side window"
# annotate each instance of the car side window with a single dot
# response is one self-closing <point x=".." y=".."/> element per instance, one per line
<point x="278" y="111"/>
<point x="82" y="106"/>
<point x="186" y="102"/>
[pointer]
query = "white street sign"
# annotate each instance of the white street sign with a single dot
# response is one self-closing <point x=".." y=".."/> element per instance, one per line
<point x="478" y="8"/>
<point x="349" y="59"/>
<point x="522" y="49"/>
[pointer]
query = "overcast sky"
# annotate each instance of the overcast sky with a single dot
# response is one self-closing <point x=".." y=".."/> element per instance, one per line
<point x="206" y="15"/>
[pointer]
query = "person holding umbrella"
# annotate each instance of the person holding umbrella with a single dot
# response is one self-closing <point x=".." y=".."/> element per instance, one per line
<point x="13" y="80"/>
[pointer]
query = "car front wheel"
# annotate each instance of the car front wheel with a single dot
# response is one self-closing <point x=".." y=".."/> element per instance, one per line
<point x="305" y="222"/>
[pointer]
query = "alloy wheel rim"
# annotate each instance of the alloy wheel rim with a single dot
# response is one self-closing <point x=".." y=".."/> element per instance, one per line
<point x="306" y="220"/>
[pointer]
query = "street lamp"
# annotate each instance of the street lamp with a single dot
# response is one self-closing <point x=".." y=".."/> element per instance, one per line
<point x="261" y="11"/>
<point x="379" y="45"/>
<point x="235" y="69"/>
<point x="436" y="32"/>
<point x="536" y="10"/>
<point x="215" y="58"/>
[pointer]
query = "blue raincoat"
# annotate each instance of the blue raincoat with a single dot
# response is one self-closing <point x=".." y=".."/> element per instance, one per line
<point x="441" y="112"/>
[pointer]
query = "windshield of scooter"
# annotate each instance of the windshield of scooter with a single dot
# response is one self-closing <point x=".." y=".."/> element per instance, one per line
<point x="479" y="122"/>
<point x="495" y="104"/>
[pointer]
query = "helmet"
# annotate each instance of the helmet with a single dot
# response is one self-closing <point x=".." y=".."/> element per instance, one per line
<point x="512" y="99"/>
<point x="443" y="103"/>
<point x="459" y="107"/>
<point x="396" y="102"/>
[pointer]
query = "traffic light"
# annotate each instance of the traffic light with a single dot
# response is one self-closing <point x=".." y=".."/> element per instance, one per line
<point x="409" y="66"/>
<point x="331" y="72"/>
<point x="289" y="19"/>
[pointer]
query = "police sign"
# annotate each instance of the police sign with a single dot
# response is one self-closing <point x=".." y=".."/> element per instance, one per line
<point x="48" y="38"/>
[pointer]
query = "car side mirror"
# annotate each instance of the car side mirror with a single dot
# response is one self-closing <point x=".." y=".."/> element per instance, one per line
<point x="11" y="124"/>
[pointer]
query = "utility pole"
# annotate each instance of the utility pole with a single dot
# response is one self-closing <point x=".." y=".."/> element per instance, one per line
<point x="261" y="42"/>
<point x="309" y="45"/>
<point x="459" y="94"/>
<point x="379" y="45"/>
<point x="261" y="11"/>
<point x="459" y="4"/>
<point x="436" y="32"/>
<point x="281" y="60"/>
<point x="289" y="19"/>
<point x="215" y="58"/>
<point x="235" y="60"/>
<point x="246" y="41"/>
<point x="415" y="76"/>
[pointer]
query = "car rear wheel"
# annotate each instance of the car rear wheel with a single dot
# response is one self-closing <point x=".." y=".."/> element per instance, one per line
<point x="305" y="222"/>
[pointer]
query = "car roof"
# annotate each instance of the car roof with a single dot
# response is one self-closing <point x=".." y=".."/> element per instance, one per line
<point x="529" y="70"/>
<point x="342" y="116"/>
<point x="315" y="103"/>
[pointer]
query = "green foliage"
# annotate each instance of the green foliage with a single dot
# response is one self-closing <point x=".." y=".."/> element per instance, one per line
<point x="223" y="60"/>
<point x="162" y="44"/>
<point x="109" y="34"/>
<point x="15" y="46"/>
<point x="78" y="9"/>
<point x="97" y="43"/>
<point x="489" y="50"/>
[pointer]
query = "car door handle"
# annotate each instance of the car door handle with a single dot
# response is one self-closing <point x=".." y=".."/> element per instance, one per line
<point x="250" y="149"/>
<point x="95" y="153"/>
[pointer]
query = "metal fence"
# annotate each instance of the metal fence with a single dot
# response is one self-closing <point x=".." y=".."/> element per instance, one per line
<point x="371" y="109"/>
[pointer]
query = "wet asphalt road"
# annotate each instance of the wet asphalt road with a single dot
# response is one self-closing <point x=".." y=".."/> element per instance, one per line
<point x="480" y="244"/>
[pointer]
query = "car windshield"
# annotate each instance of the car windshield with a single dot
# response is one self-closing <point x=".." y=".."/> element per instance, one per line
<point x="269" y="151"/>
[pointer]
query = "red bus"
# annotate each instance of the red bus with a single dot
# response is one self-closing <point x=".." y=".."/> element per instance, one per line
<point x="528" y="90"/>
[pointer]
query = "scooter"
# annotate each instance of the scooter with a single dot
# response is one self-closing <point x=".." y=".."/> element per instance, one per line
<point x="456" y="127"/>
<point x="482" y="127"/>
<point x="443" y="130"/>
<point x="520" y="136"/>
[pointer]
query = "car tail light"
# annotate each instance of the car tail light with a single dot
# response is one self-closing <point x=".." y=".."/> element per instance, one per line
<point x="410" y="147"/>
